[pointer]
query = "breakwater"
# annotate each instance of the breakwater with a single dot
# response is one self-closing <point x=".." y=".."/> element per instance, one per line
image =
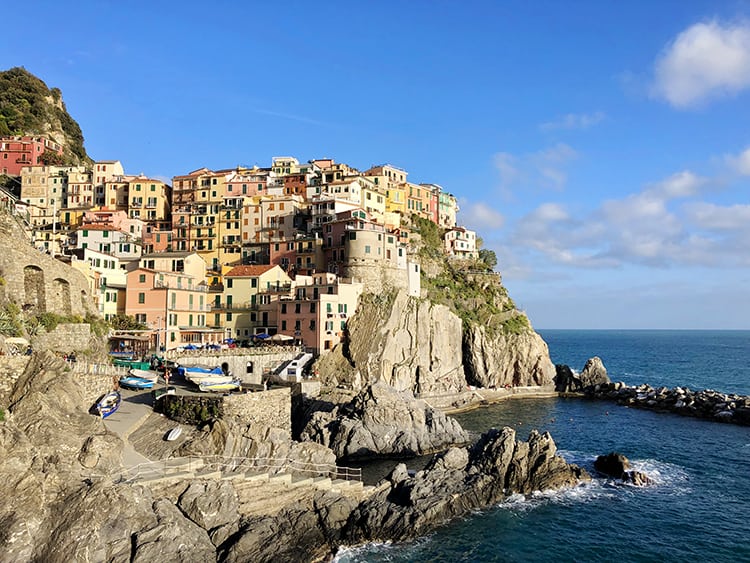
<point x="705" y="404"/>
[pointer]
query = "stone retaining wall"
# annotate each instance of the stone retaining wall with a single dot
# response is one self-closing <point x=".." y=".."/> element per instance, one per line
<point x="267" y="408"/>
<point x="67" y="337"/>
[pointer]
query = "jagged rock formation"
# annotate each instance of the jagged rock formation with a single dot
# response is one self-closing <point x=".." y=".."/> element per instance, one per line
<point x="29" y="107"/>
<point x="407" y="343"/>
<point x="381" y="421"/>
<point x="497" y="359"/>
<point x="402" y="507"/>
<point x="618" y="466"/>
<point x="593" y="373"/>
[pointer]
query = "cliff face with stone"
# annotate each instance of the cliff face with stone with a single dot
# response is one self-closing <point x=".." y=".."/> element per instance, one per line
<point x="463" y="330"/>
<point x="410" y="344"/>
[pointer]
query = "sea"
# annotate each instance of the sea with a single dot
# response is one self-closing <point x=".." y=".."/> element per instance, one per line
<point x="698" y="508"/>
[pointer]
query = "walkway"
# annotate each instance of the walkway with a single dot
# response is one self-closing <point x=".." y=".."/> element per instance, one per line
<point x="134" y="409"/>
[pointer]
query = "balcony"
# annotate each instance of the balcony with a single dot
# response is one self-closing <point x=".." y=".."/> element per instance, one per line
<point x="216" y="288"/>
<point x="244" y="306"/>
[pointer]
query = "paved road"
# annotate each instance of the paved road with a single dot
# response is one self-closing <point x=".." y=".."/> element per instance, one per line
<point x="134" y="410"/>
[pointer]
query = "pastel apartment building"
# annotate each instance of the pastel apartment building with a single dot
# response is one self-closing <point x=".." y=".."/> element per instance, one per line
<point x="461" y="242"/>
<point x="45" y="190"/>
<point x="107" y="278"/>
<point x="318" y="310"/>
<point x="242" y="309"/>
<point x="17" y="152"/>
<point x="148" y="199"/>
<point x="168" y="293"/>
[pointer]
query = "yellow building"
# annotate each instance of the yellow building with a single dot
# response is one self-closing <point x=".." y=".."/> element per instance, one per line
<point x="148" y="199"/>
<point x="242" y="310"/>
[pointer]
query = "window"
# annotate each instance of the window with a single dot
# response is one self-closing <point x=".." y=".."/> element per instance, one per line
<point x="283" y="325"/>
<point x="367" y="249"/>
<point x="297" y="308"/>
<point x="312" y="324"/>
<point x="253" y="282"/>
<point x="142" y="278"/>
<point x="141" y="298"/>
<point x="283" y="308"/>
<point x="229" y="282"/>
<point x="229" y="316"/>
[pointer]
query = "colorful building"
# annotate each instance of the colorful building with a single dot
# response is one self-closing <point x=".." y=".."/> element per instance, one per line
<point x="17" y="152"/>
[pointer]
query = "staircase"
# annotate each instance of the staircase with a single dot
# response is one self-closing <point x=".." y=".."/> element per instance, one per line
<point x="262" y="490"/>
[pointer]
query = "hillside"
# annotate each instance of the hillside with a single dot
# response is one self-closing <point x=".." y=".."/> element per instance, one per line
<point x="29" y="107"/>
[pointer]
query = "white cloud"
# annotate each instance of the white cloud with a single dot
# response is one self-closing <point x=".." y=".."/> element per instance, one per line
<point x="574" y="121"/>
<point x="480" y="216"/>
<point x="542" y="169"/>
<point x="719" y="218"/>
<point x="707" y="60"/>
<point x="740" y="163"/>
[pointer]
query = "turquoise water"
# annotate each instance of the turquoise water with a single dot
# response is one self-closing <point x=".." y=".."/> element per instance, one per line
<point x="697" y="507"/>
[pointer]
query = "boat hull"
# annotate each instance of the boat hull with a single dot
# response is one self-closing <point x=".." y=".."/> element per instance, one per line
<point x="220" y="387"/>
<point x="132" y="382"/>
<point x="109" y="404"/>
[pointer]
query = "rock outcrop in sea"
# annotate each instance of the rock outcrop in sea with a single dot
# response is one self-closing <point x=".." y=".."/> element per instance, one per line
<point x="593" y="373"/>
<point x="381" y="421"/>
<point x="617" y="466"/>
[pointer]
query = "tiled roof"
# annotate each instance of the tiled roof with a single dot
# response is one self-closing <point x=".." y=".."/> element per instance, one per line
<point x="248" y="271"/>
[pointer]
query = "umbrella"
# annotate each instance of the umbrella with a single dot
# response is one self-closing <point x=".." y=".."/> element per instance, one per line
<point x="262" y="336"/>
<point x="281" y="338"/>
<point x="191" y="347"/>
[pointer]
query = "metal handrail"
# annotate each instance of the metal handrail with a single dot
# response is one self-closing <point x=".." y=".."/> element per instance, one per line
<point x="233" y="464"/>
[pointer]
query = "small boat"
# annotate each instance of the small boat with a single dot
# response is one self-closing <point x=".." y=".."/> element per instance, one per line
<point x="173" y="434"/>
<point x="109" y="404"/>
<point x="195" y="371"/>
<point x="144" y="373"/>
<point x="133" y="382"/>
<point x="221" y="387"/>
<point x="209" y="378"/>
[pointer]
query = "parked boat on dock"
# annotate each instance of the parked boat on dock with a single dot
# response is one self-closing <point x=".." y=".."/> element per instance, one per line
<point x="109" y="404"/>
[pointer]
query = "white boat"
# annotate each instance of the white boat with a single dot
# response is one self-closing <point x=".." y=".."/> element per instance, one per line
<point x="222" y="387"/>
<point x="144" y="373"/>
<point x="199" y="378"/>
<point x="173" y="434"/>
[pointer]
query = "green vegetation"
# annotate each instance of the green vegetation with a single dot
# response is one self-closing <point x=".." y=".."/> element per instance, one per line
<point x="2" y="415"/>
<point x="126" y="322"/>
<point x="189" y="411"/>
<point x="14" y="323"/>
<point x="10" y="320"/>
<point x="28" y="107"/>
<point x="432" y="237"/>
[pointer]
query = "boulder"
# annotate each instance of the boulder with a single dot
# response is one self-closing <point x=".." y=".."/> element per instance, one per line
<point x="566" y="380"/>
<point x="383" y="421"/>
<point x="172" y="538"/>
<point x="210" y="504"/>
<point x="594" y="373"/>
<point x="613" y="465"/>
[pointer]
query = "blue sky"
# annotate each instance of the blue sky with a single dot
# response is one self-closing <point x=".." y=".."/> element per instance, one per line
<point x="600" y="148"/>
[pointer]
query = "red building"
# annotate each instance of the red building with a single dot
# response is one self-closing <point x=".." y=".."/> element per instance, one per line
<point x="17" y="152"/>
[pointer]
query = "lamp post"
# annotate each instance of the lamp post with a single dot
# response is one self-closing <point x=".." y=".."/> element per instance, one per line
<point x="158" y="334"/>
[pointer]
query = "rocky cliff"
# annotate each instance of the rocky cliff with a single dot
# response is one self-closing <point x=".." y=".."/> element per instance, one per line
<point x="29" y="107"/>
<point x="64" y="502"/>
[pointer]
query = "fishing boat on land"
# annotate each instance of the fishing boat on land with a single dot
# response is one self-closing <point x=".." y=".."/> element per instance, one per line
<point x="109" y="404"/>
<point x="162" y="391"/>
<point x="221" y="387"/>
<point x="173" y="434"/>
<point x="132" y="364"/>
<point x="197" y="371"/>
<point x="144" y="373"/>
<point x="209" y="378"/>
<point x="133" y="382"/>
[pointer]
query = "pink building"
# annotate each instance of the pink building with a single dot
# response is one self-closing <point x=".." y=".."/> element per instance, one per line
<point x="17" y="152"/>
<point x="318" y="312"/>
<point x="173" y="307"/>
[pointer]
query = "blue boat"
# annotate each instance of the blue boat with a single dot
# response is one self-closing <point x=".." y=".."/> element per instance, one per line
<point x="133" y="382"/>
<point x="109" y="404"/>
<point x="184" y="371"/>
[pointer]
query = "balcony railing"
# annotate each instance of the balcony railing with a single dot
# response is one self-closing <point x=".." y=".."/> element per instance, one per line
<point x="244" y="306"/>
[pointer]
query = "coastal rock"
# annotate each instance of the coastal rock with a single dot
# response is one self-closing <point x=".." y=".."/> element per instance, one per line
<point x="383" y="421"/>
<point x="566" y="380"/>
<point x="496" y="466"/>
<point x="613" y="465"/>
<point x="707" y="404"/>
<point x="172" y="538"/>
<point x="409" y="343"/>
<point x="210" y="504"/>
<point x="494" y="359"/>
<point x="594" y="372"/>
